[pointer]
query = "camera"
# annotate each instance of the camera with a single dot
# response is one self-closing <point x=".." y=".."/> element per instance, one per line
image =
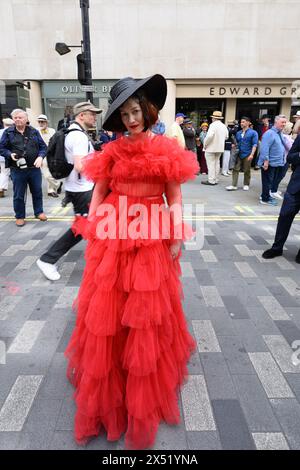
<point x="21" y="163"/>
<point x="97" y="145"/>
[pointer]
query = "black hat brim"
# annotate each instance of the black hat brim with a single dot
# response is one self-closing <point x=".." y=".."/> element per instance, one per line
<point x="155" y="88"/>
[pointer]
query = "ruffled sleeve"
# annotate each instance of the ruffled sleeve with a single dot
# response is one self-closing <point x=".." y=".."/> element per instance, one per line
<point x="183" y="164"/>
<point x="98" y="165"/>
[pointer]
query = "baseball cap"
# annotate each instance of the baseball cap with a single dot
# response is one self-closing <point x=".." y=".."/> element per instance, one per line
<point x="180" y="115"/>
<point x="85" y="106"/>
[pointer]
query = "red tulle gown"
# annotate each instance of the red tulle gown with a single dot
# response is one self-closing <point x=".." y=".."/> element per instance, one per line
<point x="130" y="346"/>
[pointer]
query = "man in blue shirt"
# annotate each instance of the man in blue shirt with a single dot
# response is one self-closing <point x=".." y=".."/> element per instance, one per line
<point x="272" y="159"/>
<point x="247" y="140"/>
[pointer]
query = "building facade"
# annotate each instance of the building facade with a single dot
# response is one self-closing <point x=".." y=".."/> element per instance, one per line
<point x="235" y="56"/>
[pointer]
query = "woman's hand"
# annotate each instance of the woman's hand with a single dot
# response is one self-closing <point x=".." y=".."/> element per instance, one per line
<point x="175" y="249"/>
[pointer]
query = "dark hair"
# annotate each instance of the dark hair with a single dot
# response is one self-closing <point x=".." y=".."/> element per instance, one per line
<point x="149" y="110"/>
<point x="246" y="118"/>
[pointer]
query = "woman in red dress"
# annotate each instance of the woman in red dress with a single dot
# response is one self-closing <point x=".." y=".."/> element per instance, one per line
<point x="130" y="346"/>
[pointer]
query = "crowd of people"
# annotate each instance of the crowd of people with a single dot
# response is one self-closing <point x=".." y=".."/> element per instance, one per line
<point x="239" y="148"/>
<point x="128" y="353"/>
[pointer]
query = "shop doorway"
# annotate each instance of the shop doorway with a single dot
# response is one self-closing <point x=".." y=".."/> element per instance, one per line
<point x="256" y="109"/>
<point x="198" y="109"/>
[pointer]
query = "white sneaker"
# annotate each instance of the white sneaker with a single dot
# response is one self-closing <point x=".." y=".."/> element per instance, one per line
<point x="229" y="172"/>
<point x="246" y="187"/>
<point x="49" y="270"/>
<point x="225" y="174"/>
<point x="231" y="188"/>
<point x="276" y="195"/>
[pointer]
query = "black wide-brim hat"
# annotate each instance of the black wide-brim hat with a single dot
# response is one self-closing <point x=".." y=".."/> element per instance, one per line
<point x="154" y="87"/>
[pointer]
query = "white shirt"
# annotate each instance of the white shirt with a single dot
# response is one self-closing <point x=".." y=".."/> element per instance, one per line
<point x="77" y="143"/>
<point x="2" y="159"/>
<point x="46" y="134"/>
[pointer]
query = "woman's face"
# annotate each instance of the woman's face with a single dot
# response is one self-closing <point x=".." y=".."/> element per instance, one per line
<point x="132" y="116"/>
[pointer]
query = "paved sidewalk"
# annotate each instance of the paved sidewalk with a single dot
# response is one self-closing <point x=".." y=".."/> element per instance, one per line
<point x="244" y="387"/>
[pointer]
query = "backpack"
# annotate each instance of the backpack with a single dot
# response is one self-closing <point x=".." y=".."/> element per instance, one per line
<point x="58" y="165"/>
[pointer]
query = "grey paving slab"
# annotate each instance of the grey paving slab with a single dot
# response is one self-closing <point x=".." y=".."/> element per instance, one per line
<point x="245" y="269"/>
<point x="290" y="286"/>
<point x="211" y="296"/>
<point x="274" y="309"/>
<point x="203" y="277"/>
<point x="270" y="441"/>
<point x="249" y="336"/>
<point x="43" y="415"/>
<point x="222" y="322"/>
<point x="203" y="440"/>
<point x="205" y="335"/>
<point x="36" y="440"/>
<point x="55" y="385"/>
<point x="232" y="425"/>
<point x="196" y="405"/>
<point x="170" y="438"/>
<point x="18" y="403"/>
<point x="288" y="414"/>
<point x="294" y="382"/>
<point x="9" y="440"/>
<point x="235" y="355"/>
<point x="218" y="378"/>
<point x="234" y="307"/>
<point x="194" y="364"/>
<point x="208" y="256"/>
<point x="270" y="376"/>
<point x="255" y="404"/>
<point x="26" y="337"/>
<point x="43" y="308"/>
<point x="262" y="320"/>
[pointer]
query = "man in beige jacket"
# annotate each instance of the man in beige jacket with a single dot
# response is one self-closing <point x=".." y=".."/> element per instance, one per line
<point x="214" y="145"/>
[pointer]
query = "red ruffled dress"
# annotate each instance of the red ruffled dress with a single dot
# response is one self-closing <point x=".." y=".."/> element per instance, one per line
<point x="130" y="346"/>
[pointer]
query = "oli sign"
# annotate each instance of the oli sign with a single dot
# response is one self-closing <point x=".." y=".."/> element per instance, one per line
<point x="78" y="89"/>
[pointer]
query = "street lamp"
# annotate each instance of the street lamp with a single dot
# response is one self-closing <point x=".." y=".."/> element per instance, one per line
<point x="84" y="62"/>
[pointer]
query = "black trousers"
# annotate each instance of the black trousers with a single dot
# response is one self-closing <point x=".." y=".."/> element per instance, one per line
<point x="80" y="203"/>
<point x="289" y="209"/>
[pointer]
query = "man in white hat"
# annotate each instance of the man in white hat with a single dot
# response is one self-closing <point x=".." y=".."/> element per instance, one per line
<point x="214" y="145"/>
<point x="4" y="172"/>
<point x="296" y="128"/>
<point x="54" y="186"/>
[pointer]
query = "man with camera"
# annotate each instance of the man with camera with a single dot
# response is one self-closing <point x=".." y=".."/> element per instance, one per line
<point x="24" y="150"/>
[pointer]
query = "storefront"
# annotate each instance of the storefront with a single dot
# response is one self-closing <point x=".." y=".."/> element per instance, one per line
<point x="199" y="98"/>
<point x="60" y="96"/>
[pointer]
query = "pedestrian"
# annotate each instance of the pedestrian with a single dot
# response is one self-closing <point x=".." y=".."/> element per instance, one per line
<point x="53" y="186"/>
<point x="200" y="137"/>
<point x="4" y="172"/>
<point x="290" y="206"/>
<point x="130" y="346"/>
<point x="229" y="142"/>
<point x="296" y="128"/>
<point x="189" y="135"/>
<point x="263" y="126"/>
<point x="24" y="151"/>
<point x="107" y="136"/>
<point x="67" y="119"/>
<point x="214" y="144"/>
<point x="288" y="142"/>
<point x="175" y="130"/>
<point x="247" y="140"/>
<point x="78" y="189"/>
<point x="272" y="160"/>
<point x="159" y="127"/>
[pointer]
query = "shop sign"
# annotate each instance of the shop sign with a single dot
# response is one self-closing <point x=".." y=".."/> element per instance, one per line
<point x="250" y="91"/>
<point x="73" y="89"/>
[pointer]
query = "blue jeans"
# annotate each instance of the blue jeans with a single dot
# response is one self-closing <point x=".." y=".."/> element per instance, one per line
<point x="21" y="178"/>
<point x="281" y="175"/>
<point x="270" y="180"/>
